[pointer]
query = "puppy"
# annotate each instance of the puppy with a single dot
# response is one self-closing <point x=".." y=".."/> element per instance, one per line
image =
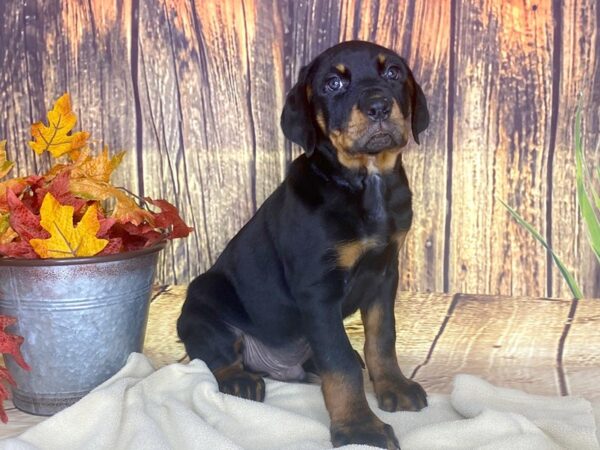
<point x="322" y="246"/>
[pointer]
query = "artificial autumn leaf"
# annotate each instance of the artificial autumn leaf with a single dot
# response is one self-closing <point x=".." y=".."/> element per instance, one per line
<point x="22" y="220"/>
<point x="135" y="237"/>
<point x="169" y="218"/>
<point x="7" y="234"/>
<point x="16" y="185"/>
<point x="59" y="188"/>
<point x="56" y="137"/>
<point x="99" y="168"/>
<point x="65" y="239"/>
<point x="10" y="344"/>
<point x="115" y="245"/>
<point x="5" y="166"/>
<point x="125" y="210"/>
<point x="83" y="165"/>
<point x="18" y="250"/>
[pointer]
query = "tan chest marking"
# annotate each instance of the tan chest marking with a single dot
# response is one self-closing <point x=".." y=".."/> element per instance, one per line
<point x="348" y="253"/>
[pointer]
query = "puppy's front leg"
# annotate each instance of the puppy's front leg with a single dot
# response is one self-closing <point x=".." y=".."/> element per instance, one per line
<point x="394" y="391"/>
<point x="352" y="421"/>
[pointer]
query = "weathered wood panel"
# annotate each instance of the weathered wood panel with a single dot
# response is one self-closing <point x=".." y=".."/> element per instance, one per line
<point x="501" y="123"/>
<point x="510" y="341"/>
<point x="193" y="89"/>
<point x="581" y="354"/>
<point x="577" y="75"/>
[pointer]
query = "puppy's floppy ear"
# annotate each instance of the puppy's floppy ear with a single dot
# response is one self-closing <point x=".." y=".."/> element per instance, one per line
<point x="420" y="113"/>
<point x="297" y="122"/>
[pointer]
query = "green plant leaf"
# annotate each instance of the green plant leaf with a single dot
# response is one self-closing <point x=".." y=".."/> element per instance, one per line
<point x="585" y="206"/>
<point x="563" y="270"/>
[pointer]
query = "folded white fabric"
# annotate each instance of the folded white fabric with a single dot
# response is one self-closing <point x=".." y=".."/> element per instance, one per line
<point x="180" y="407"/>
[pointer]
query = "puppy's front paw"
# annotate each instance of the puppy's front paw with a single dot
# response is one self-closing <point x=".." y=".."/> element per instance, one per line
<point x="371" y="431"/>
<point x="400" y="395"/>
<point x="241" y="383"/>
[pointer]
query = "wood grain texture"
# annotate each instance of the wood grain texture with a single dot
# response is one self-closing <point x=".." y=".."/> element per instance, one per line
<point x="193" y="89"/>
<point x="503" y="58"/>
<point x="511" y="341"/>
<point x="581" y="355"/>
<point x="577" y="77"/>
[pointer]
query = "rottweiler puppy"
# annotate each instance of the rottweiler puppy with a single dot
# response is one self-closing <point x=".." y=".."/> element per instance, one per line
<point x="322" y="246"/>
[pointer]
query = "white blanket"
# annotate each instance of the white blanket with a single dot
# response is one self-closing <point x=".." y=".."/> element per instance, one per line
<point x="180" y="407"/>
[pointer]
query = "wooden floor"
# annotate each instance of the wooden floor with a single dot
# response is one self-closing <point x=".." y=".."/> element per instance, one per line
<point x="541" y="346"/>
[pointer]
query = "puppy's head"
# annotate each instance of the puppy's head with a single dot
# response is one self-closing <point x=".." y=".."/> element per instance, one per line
<point x="360" y="97"/>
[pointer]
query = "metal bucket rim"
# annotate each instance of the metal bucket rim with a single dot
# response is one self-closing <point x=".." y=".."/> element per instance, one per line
<point x="4" y="262"/>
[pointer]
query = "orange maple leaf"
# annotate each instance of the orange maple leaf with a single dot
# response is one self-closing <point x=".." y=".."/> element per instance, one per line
<point x="126" y="209"/>
<point x="56" y="137"/>
<point x="99" y="168"/>
<point x="65" y="239"/>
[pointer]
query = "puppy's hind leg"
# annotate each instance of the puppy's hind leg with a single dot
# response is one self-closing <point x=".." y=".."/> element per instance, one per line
<point x="208" y="337"/>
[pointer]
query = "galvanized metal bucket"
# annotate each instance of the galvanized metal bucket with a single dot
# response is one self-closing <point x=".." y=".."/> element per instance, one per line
<point x="80" y="317"/>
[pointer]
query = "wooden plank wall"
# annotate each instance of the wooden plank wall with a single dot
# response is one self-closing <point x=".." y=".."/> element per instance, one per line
<point x="193" y="90"/>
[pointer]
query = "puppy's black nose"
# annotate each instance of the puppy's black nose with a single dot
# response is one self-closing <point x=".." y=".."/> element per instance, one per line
<point x="376" y="107"/>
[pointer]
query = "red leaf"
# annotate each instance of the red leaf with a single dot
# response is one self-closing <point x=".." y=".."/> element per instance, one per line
<point x="23" y="221"/>
<point x="10" y="344"/>
<point x="169" y="217"/>
<point x="59" y="188"/>
<point x="18" y="249"/>
<point x="115" y="245"/>
<point x="135" y="237"/>
<point x="4" y="395"/>
<point x="105" y="225"/>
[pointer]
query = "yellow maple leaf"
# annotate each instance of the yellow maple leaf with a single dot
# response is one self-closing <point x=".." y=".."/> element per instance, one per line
<point x="5" y="166"/>
<point x="56" y="137"/>
<point x="65" y="240"/>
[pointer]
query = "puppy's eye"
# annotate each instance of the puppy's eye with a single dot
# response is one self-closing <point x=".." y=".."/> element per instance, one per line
<point x="334" y="83"/>
<point x="392" y="73"/>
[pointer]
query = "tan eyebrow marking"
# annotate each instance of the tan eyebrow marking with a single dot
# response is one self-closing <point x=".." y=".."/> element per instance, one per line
<point x="381" y="58"/>
<point x="341" y="68"/>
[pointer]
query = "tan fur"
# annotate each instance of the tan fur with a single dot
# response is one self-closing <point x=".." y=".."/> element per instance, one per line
<point x="227" y="372"/>
<point x="343" y="141"/>
<point x="381" y="59"/>
<point x="379" y="365"/>
<point x="341" y="68"/>
<point x="344" y="401"/>
<point x="309" y="93"/>
<point x="321" y="121"/>
<point x="350" y="252"/>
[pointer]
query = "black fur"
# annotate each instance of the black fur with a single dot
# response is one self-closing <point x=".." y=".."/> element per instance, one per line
<point x="278" y="279"/>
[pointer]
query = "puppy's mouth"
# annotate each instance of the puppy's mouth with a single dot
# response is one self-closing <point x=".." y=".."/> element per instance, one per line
<point x="378" y="142"/>
<point x="380" y="137"/>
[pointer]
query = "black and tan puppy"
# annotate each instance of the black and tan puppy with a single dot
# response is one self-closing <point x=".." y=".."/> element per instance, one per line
<point x="322" y="246"/>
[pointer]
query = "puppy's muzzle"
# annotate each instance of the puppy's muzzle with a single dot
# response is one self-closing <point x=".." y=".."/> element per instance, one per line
<point x="381" y="133"/>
